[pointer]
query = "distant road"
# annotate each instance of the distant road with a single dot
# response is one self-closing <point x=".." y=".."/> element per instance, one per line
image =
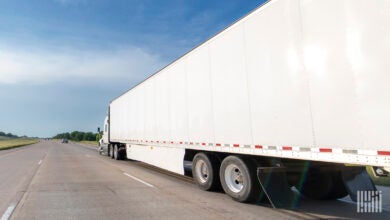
<point x="50" y="180"/>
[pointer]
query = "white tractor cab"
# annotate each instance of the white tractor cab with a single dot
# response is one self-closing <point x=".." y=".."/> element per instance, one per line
<point x="112" y="149"/>
<point x="103" y="142"/>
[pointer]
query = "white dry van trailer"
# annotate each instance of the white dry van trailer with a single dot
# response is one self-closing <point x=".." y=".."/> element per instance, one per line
<point x="296" y="93"/>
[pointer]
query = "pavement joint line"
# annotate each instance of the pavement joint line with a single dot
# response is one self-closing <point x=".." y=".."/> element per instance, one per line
<point x="8" y="212"/>
<point x="20" y="199"/>
<point x="40" y="162"/>
<point x="139" y="180"/>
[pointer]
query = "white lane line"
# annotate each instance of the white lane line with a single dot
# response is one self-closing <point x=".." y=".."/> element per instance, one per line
<point x="8" y="212"/>
<point x="141" y="181"/>
<point x="39" y="163"/>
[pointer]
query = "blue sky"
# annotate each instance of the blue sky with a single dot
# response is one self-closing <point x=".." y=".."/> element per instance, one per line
<point x="62" y="61"/>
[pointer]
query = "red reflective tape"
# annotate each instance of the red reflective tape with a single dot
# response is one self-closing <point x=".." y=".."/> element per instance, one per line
<point x="158" y="141"/>
<point x="171" y="142"/>
<point x="191" y="143"/>
<point x="325" y="150"/>
<point x="381" y="152"/>
<point x="181" y="142"/>
<point x="164" y="142"/>
<point x="203" y="144"/>
<point x="287" y="148"/>
<point x="218" y="145"/>
<point x="236" y="145"/>
<point x="146" y="141"/>
<point x="258" y="146"/>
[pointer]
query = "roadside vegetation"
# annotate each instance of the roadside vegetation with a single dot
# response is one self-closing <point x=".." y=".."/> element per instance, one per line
<point x="92" y="143"/>
<point x="89" y="138"/>
<point x="4" y="135"/>
<point x="15" y="142"/>
<point x="78" y="136"/>
<point x="9" y="140"/>
<point x="382" y="181"/>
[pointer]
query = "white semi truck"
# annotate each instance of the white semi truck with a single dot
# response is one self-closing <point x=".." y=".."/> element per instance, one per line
<point x="296" y="93"/>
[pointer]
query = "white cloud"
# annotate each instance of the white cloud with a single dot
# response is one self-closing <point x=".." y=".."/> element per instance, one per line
<point x="76" y="66"/>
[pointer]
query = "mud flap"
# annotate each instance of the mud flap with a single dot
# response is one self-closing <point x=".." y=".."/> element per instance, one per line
<point x="357" y="179"/>
<point x="275" y="188"/>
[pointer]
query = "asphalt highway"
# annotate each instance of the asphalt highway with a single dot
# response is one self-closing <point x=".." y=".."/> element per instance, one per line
<point x="51" y="180"/>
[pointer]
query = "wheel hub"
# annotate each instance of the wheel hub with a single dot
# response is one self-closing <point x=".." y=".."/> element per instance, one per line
<point x="234" y="178"/>
<point x="202" y="171"/>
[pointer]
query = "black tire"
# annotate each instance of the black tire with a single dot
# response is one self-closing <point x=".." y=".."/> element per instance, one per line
<point x="338" y="190"/>
<point x="239" y="179"/>
<point x="116" y="153"/>
<point x="317" y="185"/>
<point x="205" y="171"/>
<point x="109" y="150"/>
<point x="100" y="150"/>
<point x="323" y="185"/>
<point x="112" y="151"/>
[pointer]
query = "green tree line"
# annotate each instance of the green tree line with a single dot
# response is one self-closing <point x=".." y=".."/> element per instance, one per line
<point x="78" y="136"/>
<point x="10" y="135"/>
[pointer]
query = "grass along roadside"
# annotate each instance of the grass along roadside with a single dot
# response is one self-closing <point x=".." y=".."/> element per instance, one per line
<point x="12" y="143"/>
<point x="382" y="181"/>
<point x="92" y="143"/>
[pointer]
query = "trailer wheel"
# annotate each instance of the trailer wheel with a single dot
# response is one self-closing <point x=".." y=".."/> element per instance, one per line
<point x="317" y="185"/>
<point x="338" y="189"/>
<point x="206" y="171"/>
<point x="109" y="150"/>
<point x="112" y="151"/>
<point x="117" y="156"/>
<point x="238" y="179"/>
